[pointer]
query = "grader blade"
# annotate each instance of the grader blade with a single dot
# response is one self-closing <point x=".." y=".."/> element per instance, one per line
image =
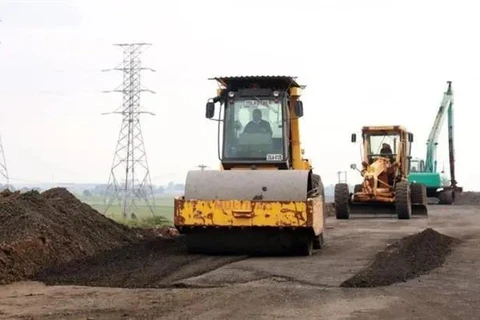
<point x="379" y="208"/>
<point x="249" y="212"/>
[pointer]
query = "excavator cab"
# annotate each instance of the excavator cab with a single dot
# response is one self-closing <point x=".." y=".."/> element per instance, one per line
<point x="265" y="199"/>
<point x="385" y="167"/>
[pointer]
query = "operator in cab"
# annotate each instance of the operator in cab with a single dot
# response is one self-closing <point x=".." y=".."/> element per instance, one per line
<point x="257" y="124"/>
<point x="386" y="150"/>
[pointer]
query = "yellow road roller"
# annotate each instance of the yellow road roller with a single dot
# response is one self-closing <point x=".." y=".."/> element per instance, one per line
<point x="265" y="199"/>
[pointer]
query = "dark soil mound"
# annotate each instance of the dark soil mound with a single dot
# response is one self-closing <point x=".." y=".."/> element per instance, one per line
<point x="408" y="258"/>
<point x="42" y="230"/>
<point x="153" y="263"/>
<point x="467" y="198"/>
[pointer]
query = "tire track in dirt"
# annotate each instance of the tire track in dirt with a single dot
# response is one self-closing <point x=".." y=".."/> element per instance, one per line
<point x="153" y="263"/>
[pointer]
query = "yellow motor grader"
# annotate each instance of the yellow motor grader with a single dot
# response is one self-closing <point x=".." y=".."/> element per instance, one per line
<point x="265" y="199"/>
<point x="385" y="167"/>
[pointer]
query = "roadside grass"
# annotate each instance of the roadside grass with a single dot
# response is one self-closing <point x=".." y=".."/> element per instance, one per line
<point x="145" y="219"/>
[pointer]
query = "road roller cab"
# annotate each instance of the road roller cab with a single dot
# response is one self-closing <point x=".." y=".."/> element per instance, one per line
<point x="265" y="198"/>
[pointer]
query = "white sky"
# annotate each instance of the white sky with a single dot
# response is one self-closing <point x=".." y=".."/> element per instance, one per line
<point x="364" y="62"/>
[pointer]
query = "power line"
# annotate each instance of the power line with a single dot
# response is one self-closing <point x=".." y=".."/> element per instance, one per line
<point x="130" y="158"/>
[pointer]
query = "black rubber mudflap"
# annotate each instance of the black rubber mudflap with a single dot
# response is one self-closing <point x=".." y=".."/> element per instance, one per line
<point x="419" y="193"/>
<point x="419" y="199"/>
<point x="403" y="203"/>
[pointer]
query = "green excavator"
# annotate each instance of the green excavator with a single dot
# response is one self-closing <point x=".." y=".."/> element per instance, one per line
<point x="424" y="171"/>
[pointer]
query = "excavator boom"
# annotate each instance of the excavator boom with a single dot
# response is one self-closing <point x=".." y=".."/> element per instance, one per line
<point x="426" y="172"/>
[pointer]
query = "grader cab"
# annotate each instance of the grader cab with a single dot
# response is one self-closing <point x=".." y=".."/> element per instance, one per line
<point x="265" y="199"/>
<point x="385" y="167"/>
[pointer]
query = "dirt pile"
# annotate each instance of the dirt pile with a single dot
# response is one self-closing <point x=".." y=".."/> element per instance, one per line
<point x="467" y="198"/>
<point x="41" y="230"/>
<point x="408" y="258"/>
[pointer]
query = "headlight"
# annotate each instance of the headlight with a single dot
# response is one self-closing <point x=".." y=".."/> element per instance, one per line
<point x="276" y="93"/>
<point x="231" y="94"/>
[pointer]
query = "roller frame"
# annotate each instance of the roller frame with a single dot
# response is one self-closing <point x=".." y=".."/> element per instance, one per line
<point x="250" y="211"/>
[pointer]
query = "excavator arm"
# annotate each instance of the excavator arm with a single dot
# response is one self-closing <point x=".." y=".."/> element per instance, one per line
<point x="451" y="148"/>
<point x="429" y="176"/>
<point x="432" y="142"/>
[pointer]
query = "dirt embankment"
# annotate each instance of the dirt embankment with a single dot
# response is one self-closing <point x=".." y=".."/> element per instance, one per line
<point x="54" y="237"/>
<point x="407" y="258"/>
<point x="467" y="198"/>
<point x="40" y="230"/>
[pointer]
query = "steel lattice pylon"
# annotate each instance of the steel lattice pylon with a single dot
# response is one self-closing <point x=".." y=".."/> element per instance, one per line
<point x="130" y="158"/>
<point x="3" y="166"/>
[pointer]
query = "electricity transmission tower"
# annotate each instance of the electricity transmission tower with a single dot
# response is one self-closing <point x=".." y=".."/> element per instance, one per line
<point x="3" y="162"/>
<point x="340" y="179"/>
<point x="3" y="166"/>
<point x="129" y="180"/>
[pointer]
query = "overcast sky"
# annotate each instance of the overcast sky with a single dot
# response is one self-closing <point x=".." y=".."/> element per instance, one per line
<point x="364" y="62"/>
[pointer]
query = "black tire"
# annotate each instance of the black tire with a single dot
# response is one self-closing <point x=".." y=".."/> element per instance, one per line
<point x="419" y="193"/>
<point x="342" y="206"/>
<point x="318" y="241"/>
<point x="317" y="184"/>
<point x="358" y="188"/>
<point x="446" y="197"/>
<point x="403" y="201"/>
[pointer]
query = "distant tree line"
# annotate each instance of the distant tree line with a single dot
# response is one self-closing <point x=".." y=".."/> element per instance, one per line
<point x="170" y="188"/>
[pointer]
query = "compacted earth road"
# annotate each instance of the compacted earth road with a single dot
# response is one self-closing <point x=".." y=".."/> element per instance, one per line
<point x="148" y="286"/>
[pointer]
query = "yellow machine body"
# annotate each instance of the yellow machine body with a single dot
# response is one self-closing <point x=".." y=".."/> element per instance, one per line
<point x="252" y="205"/>
<point x="231" y="213"/>
<point x="385" y="167"/>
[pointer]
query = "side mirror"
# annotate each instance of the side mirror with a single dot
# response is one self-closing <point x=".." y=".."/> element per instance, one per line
<point x="299" y="108"/>
<point x="353" y="166"/>
<point x="354" y="138"/>
<point x="410" y="137"/>
<point x="210" y="110"/>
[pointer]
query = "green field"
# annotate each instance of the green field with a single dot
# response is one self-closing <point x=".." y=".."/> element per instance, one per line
<point x="163" y="210"/>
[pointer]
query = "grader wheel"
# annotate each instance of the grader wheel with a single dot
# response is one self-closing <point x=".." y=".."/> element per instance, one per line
<point x="342" y="207"/>
<point x="403" y="201"/>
